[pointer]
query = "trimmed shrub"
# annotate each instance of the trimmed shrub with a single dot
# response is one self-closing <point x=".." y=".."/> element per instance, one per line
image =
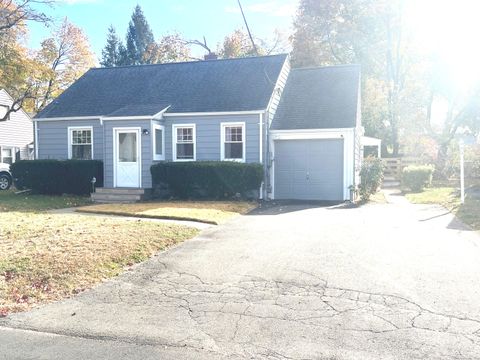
<point x="57" y="177"/>
<point x="207" y="179"/>
<point x="371" y="177"/>
<point x="417" y="177"/>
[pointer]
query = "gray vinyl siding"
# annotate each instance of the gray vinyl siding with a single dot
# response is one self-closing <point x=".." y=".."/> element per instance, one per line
<point x="146" y="144"/>
<point x="53" y="143"/>
<point x="52" y="138"/>
<point x="17" y="131"/>
<point x="208" y="135"/>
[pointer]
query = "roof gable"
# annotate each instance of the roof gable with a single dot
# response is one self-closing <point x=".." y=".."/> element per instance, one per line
<point x="319" y="98"/>
<point x="202" y="86"/>
<point x="10" y="101"/>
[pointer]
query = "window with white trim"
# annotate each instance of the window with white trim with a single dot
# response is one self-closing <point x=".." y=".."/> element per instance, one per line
<point x="158" y="137"/>
<point x="7" y="155"/>
<point x="233" y="142"/>
<point x="184" y="143"/>
<point x="3" y="111"/>
<point x="81" y="144"/>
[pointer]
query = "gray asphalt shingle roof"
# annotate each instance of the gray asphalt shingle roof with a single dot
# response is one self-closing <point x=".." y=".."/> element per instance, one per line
<point x="201" y="86"/>
<point x="319" y="98"/>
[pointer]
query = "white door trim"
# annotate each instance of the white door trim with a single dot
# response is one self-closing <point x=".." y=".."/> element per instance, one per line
<point x="115" y="131"/>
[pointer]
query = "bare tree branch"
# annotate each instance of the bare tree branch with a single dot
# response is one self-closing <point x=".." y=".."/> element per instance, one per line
<point x="199" y="43"/>
<point x="15" y="13"/>
<point x="18" y="103"/>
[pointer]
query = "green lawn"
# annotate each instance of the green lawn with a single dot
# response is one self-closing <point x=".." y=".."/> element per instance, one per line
<point x="468" y="213"/>
<point x="446" y="196"/>
<point x="27" y="202"/>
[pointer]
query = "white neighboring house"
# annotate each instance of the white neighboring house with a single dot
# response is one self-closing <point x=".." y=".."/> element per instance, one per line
<point x="16" y="133"/>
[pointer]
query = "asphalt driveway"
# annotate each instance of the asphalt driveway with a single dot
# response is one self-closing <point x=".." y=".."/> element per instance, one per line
<point x="291" y="281"/>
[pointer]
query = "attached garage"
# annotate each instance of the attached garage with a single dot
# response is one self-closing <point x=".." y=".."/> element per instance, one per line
<point x="309" y="169"/>
<point x="315" y="135"/>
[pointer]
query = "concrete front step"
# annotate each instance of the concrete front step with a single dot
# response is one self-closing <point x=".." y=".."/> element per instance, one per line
<point x="390" y="184"/>
<point x="120" y="195"/>
<point x="126" y="191"/>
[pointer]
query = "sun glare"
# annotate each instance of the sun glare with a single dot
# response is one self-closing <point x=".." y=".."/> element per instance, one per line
<point x="450" y="30"/>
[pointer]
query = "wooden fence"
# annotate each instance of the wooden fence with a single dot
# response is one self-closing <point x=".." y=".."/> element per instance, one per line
<point x="394" y="166"/>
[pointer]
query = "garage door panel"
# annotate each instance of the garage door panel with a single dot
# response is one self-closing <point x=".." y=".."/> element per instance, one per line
<point x="299" y="176"/>
<point x="283" y="176"/>
<point x="309" y="169"/>
<point x="290" y="160"/>
<point x="329" y="191"/>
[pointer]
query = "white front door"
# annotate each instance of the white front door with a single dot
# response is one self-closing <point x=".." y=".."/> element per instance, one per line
<point x="127" y="158"/>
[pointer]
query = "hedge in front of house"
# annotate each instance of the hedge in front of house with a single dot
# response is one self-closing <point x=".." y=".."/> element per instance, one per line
<point x="207" y="179"/>
<point x="417" y="177"/>
<point x="57" y="177"/>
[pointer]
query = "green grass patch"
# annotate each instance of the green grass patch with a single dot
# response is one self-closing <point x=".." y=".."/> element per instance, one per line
<point x="446" y="196"/>
<point x="468" y="213"/>
<point x="9" y="201"/>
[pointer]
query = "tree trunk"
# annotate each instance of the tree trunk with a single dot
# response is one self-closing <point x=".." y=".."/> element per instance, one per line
<point x="441" y="163"/>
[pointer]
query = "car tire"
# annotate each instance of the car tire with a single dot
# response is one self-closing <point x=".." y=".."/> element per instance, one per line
<point x="5" y="181"/>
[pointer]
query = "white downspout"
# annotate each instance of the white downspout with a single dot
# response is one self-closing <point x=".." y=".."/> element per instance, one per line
<point x="35" y="139"/>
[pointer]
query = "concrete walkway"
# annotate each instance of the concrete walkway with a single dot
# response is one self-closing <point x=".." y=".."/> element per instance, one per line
<point x="292" y="281"/>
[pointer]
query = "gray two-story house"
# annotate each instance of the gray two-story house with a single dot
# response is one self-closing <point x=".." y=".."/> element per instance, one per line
<point x="303" y="125"/>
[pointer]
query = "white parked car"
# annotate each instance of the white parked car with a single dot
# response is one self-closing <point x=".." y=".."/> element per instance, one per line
<point x="5" y="177"/>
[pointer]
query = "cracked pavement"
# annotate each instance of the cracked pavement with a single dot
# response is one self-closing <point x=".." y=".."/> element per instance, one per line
<point x="291" y="281"/>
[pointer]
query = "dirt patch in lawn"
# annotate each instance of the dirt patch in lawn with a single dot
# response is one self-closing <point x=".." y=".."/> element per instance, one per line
<point x="46" y="257"/>
<point x="210" y="212"/>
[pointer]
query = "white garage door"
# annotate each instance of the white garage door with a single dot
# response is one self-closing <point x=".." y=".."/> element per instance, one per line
<point x="309" y="169"/>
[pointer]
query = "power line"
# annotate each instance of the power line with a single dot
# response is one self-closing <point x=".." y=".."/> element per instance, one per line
<point x="248" y="28"/>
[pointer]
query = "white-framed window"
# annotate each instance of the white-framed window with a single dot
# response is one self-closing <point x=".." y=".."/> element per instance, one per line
<point x="158" y="141"/>
<point x="3" y="111"/>
<point x="184" y="142"/>
<point x="233" y="141"/>
<point x="7" y="155"/>
<point x="80" y="143"/>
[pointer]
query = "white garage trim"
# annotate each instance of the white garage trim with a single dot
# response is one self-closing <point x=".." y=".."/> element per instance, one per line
<point x="348" y="136"/>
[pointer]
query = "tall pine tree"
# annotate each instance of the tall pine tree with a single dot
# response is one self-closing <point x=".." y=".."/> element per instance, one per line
<point x="139" y="38"/>
<point x="111" y="53"/>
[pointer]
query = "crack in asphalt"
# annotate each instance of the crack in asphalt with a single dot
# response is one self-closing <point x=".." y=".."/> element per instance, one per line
<point x="313" y="303"/>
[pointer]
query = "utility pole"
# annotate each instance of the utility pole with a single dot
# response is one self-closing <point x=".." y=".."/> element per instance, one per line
<point x="461" y="145"/>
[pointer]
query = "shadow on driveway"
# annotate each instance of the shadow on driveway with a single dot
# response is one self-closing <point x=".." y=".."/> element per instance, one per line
<point x="288" y="206"/>
<point x="454" y="224"/>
